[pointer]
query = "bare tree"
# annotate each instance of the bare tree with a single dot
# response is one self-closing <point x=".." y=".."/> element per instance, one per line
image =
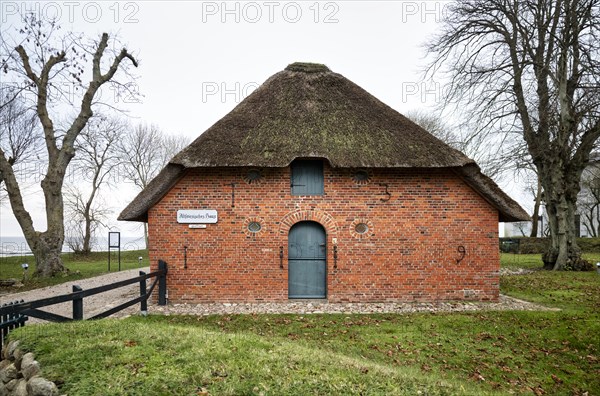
<point x="531" y="67"/>
<point x="171" y="146"/>
<point x="84" y="219"/>
<point x="434" y="124"/>
<point x="522" y="227"/>
<point x="142" y="156"/>
<point x="144" y="152"/>
<point x="535" y="217"/>
<point x="19" y="138"/>
<point x="44" y="67"/>
<point x="94" y="165"/>
<point x="494" y="159"/>
<point x="527" y="175"/>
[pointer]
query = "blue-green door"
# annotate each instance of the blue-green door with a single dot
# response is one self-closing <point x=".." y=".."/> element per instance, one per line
<point x="307" y="261"/>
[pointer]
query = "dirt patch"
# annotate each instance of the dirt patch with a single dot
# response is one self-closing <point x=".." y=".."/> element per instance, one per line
<point x="516" y="271"/>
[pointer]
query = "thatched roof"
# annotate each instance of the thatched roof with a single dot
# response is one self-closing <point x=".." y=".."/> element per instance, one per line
<point x="308" y="111"/>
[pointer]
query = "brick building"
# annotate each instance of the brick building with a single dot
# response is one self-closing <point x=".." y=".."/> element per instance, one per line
<point x="312" y="188"/>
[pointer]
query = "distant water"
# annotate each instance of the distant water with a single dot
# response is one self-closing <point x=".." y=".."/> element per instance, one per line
<point x="17" y="246"/>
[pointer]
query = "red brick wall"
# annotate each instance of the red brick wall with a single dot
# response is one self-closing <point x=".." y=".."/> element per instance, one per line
<point x="409" y="254"/>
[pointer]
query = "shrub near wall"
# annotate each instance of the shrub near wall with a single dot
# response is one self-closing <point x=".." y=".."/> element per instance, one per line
<point x="525" y="245"/>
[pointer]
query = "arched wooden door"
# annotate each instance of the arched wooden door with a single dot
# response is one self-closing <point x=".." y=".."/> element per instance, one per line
<point x="307" y="268"/>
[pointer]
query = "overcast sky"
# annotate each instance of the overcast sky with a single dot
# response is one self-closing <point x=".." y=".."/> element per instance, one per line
<point x="199" y="59"/>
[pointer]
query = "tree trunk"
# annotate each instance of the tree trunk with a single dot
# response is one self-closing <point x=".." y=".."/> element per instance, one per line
<point x="49" y="244"/>
<point x="86" y="248"/>
<point x="45" y="246"/>
<point x="87" y="237"/>
<point x="146" y="234"/>
<point x="47" y="252"/>
<point x="535" y="218"/>
<point x="563" y="252"/>
<point x="87" y="214"/>
<point x="597" y="234"/>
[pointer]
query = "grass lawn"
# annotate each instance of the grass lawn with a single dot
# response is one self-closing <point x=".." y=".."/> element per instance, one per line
<point x="529" y="353"/>
<point x="534" y="261"/>
<point x="182" y="356"/>
<point x="79" y="267"/>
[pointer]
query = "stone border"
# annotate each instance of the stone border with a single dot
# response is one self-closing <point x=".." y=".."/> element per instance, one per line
<point x="318" y="307"/>
<point x="20" y="374"/>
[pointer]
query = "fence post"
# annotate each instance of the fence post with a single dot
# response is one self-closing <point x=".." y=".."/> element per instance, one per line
<point x="144" y="302"/>
<point x="21" y="318"/>
<point x="77" y="304"/>
<point x="3" y="332"/>
<point x="162" y="283"/>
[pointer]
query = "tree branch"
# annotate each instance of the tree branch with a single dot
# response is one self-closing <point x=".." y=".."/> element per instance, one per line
<point x="16" y="199"/>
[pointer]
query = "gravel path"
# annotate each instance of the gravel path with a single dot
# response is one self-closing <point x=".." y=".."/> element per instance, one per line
<point x="91" y="305"/>
<point x="102" y="302"/>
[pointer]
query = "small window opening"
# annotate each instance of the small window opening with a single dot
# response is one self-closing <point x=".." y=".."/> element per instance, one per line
<point x="307" y="177"/>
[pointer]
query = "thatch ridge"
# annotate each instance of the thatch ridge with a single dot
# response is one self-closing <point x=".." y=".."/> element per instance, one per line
<point x="307" y="67"/>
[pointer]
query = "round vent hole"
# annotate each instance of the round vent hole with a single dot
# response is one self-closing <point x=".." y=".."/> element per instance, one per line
<point x="361" y="176"/>
<point x="254" y="226"/>
<point x="253" y="176"/>
<point x="361" y="228"/>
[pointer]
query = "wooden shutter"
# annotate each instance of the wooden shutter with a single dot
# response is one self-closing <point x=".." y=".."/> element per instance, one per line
<point x="307" y="177"/>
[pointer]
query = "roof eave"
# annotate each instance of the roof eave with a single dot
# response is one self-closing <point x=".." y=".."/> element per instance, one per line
<point x="138" y="209"/>
<point x="509" y="210"/>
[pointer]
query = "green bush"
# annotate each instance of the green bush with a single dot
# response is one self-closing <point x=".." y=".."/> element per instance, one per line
<point x="589" y="245"/>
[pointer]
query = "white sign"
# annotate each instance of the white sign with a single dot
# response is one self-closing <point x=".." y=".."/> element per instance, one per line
<point x="114" y="239"/>
<point x="197" y="226"/>
<point x="197" y="216"/>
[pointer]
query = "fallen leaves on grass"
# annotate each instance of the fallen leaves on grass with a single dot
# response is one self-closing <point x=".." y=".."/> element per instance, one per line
<point x="556" y="379"/>
<point x="538" y="390"/>
<point x="476" y="376"/>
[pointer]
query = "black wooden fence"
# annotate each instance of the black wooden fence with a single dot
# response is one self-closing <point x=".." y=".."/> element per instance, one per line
<point x="14" y="315"/>
<point x="10" y="321"/>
